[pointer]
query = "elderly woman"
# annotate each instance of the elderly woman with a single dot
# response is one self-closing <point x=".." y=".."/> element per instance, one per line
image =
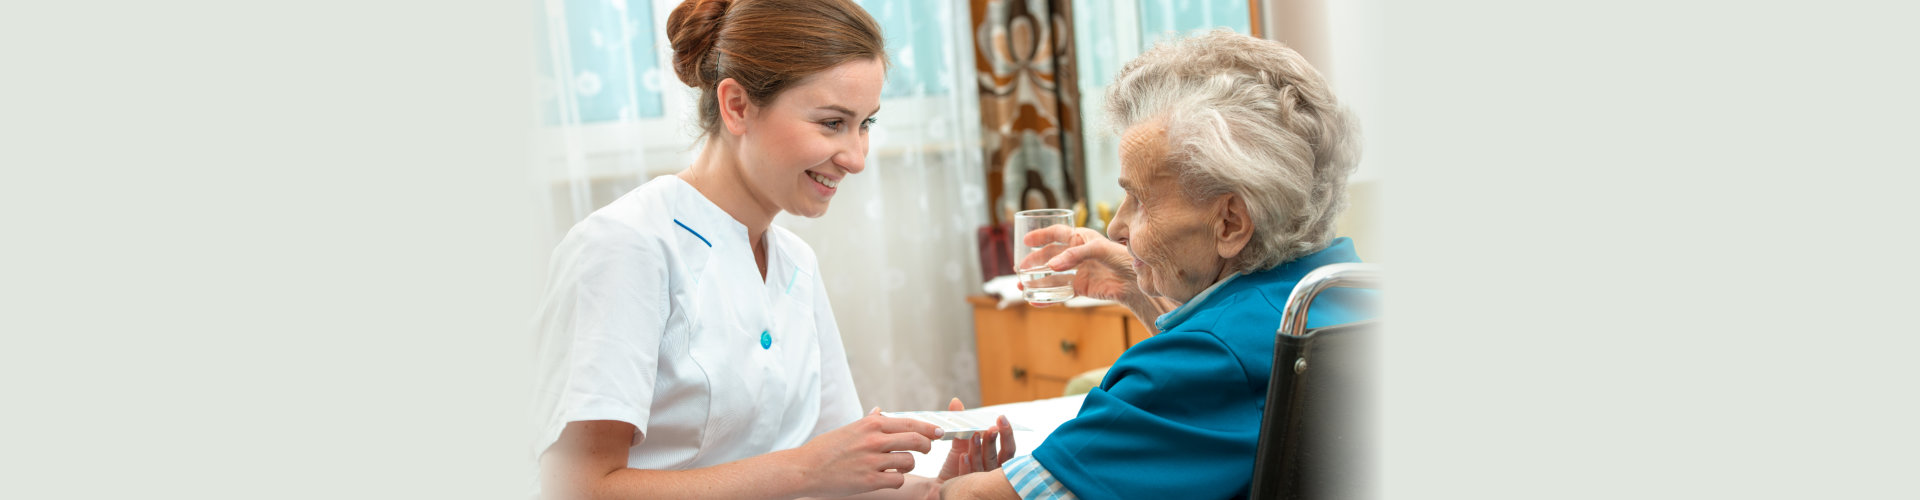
<point x="1234" y="159"/>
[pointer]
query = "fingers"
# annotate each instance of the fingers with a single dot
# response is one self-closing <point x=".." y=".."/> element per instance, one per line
<point x="1039" y="257"/>
<point x="1085" y="236"/>
<point x="989" y="450"/>
<point x="906" y="441"/>
<point x="886" y="480"/>
<point x="1068" y="259"/>
<point x="961" y="447"/>
<point x="1045" y="235"/>
<point x="897" y="461"/>
<point x="1045" y="243"/>
<point x="1100" y="249"/>
<point x="972" y="459"/>
<point x="1006" y="440"/>
<point x="892" y="425"/>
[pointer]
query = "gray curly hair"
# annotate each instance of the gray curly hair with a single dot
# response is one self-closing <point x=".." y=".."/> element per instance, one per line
<point x="1250" y="117"/>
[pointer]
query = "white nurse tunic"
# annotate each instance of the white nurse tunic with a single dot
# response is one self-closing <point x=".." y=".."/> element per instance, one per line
<point x="656" y="315"/>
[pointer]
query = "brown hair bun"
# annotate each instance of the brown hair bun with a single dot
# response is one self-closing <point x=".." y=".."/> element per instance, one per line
<point x="766" y="45"/>
<point x="693" y="28"/>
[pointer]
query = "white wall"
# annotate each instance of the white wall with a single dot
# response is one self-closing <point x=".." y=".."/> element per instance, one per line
<point x="1342" y="40"/>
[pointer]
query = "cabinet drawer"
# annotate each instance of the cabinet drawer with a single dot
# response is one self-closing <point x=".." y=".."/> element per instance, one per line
<point x="1028" y="353"/>
<point x="1002" y="355"/>
<point x="1048" y="387"/>
<point x="1062" y="343"/>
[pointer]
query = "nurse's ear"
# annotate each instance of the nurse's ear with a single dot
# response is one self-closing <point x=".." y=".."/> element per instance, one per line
<point x="735" y="106"/>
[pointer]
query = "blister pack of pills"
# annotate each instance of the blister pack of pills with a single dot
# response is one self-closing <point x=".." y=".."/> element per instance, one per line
<point x="955" y="424"/>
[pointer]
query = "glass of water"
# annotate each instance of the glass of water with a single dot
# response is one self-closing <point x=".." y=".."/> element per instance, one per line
<point x="1043" y="285"/>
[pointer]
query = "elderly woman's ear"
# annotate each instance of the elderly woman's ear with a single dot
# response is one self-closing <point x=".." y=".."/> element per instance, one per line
<point x="1232" y="225"/>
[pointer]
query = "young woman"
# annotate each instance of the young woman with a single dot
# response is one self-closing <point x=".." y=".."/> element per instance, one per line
<point x="687" y="347"/>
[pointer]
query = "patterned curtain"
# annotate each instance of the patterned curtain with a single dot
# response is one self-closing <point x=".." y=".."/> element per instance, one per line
<point x="1029" y="105"/>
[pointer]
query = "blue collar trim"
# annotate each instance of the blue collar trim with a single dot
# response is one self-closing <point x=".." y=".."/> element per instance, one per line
<point x="1166" y="321"/>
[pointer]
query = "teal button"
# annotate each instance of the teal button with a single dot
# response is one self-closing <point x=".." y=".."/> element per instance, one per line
<point x="766" y="340"/>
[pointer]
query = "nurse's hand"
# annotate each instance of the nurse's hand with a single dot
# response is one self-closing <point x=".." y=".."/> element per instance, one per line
<point x="866" y="455"/>
<point x="980" y="453"/>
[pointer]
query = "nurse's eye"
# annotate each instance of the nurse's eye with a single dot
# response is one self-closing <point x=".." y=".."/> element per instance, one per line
<point x="868" y="123"/>
<point x="833" y="125"/>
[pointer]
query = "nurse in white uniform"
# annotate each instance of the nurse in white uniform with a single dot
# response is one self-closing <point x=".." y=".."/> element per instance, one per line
<point x="687" y="349"/>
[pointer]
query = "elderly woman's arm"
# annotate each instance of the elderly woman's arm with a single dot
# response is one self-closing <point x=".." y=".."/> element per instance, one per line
<point x="981" y="486"/>
<point x="1104" y="270"/>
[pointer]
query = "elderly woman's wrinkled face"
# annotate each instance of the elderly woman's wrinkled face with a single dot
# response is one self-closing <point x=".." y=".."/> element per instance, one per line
<point x="1173" y="238"/>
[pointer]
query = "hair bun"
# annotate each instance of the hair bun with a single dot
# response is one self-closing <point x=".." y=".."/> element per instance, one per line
<point x="693" y="28"/>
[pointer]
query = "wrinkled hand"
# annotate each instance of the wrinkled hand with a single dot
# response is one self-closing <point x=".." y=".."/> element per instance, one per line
<point x="981" y="452"/>
<point x="866" y="455"/>
<point x="1103" y="268"/>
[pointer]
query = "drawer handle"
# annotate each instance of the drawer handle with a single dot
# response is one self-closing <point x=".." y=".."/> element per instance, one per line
<point x="1067" y="346"/>
<point x="1019" y="373"/>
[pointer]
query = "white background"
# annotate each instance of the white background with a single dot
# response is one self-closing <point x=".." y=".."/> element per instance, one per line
<point x="1640" y="249"/>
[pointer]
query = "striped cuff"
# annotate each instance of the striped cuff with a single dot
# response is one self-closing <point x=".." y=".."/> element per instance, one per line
<point x="1033" y="482"/>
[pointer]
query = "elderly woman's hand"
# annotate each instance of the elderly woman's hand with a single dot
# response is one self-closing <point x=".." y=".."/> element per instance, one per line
<point x="982" y="452"/>
<point x="1104" y="269"/>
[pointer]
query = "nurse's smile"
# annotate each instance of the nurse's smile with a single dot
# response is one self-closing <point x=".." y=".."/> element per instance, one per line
<point x="824" y="185"/>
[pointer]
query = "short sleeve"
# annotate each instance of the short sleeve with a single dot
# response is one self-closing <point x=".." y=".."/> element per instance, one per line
<point x="1177" y="419"/>
<point x="600" y="327"/>
<point x="839" y="402"/>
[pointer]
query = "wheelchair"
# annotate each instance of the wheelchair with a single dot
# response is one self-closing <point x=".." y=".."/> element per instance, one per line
<point x="1317" y="433"/>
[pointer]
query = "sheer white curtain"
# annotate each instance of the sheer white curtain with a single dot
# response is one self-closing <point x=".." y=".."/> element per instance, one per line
<point x="613" y="114"/>
<point x="897" y="247"/>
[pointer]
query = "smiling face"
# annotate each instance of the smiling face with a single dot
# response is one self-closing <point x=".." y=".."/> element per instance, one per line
<point x="796" y="150"/>
<point x="1174" y="239"/>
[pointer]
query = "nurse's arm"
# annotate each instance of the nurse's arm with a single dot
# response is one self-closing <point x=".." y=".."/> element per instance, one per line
<point x="916" y="488"/>
<point x="989" y="485"/>
<point x="589" y="462"/>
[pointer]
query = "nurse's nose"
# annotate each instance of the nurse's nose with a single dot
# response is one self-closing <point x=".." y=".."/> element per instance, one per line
<point x="853" y="155"/>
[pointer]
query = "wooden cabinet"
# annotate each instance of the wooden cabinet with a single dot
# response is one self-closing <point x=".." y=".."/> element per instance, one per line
<point x="1029" y="353"/>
